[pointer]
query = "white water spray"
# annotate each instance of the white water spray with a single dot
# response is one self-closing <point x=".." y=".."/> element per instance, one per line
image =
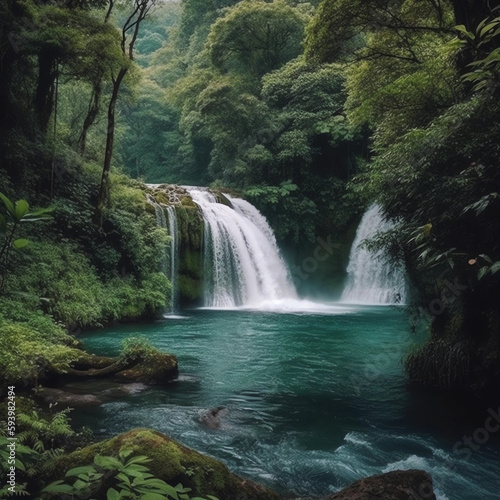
<point x="170" y="264"/>
<point x="243" y="266"/>
<point x="371" y="277"/>
<point x="174" y="252"/>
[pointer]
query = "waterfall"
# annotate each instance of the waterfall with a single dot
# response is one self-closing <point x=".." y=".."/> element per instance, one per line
<point x="242" y="262"/>
<point x="170" y="264"/>
<point x="371" y="277"/>
<point x="173" y="255"/>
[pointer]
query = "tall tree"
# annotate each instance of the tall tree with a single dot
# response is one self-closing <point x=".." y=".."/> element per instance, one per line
<point x="130" y="32"/>
<point x="257" y="37"/>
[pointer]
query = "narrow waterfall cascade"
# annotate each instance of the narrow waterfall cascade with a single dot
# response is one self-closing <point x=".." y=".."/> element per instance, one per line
<point x="243" y="266"/>
<point x="166" y="218"/>
<point x="173" y="270"/>
<point x="371" y="277"/>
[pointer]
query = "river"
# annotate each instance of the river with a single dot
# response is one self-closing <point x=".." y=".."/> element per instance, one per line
<point x="315" y="398"/>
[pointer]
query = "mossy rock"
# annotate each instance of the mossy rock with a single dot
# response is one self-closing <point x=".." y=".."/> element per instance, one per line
<point x="187" y="201"/>
<point x="174" y="463"/>
<point x="221" y="198"/>
<point x="190" y="225"/>
<point x="191" y="289"/>
<point x="394" y="485"/>
<point x="162" y="197"/>
<point x="150" y="209"/>
<point x="157" y="369"/>
<point x="191" y="228"/>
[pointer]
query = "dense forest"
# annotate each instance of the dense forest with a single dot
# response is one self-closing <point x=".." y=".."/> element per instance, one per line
<point x="310" y="110"/>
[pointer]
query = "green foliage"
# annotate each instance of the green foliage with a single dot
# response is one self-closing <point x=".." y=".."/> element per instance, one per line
<point x="339" y="29"/>
<point x="256" y="37"/>
<point x="292" y="214"/>
<point x="150" y="137"/>
<point x="26" y="353"/>
<point x="16" y="213"/>
<point x="393" y="101"/>
<point x="129" y="476"/>
<point x="482" y="45"/>
<point x="40" y="441"/>
<point x="138" y="348"/>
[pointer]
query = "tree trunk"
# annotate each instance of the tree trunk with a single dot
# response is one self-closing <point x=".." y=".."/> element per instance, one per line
<point x="92" y="112"/>
<point x="132" y="23"/>
<point x="44" y="97"/>
<point x="103" y="196"/>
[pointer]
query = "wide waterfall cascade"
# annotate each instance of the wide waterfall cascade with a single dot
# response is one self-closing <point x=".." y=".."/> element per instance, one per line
<point x="243" y="266"/>
<point x="166" y="218"/>
<point x="371" y="277"/>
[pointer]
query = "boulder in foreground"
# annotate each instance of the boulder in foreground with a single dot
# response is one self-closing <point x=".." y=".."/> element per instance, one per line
<point x="174" y="463"/>
<point x="395" y="485"/>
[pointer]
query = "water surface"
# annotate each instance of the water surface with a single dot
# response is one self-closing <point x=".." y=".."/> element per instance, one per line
<point x="315" y="399"/>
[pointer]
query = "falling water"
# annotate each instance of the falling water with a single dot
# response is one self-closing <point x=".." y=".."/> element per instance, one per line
<point x="173" y="255"/>
<point x="242" y="263"/>
<point x="170" y="264"/>
<point x="371" y="276"/>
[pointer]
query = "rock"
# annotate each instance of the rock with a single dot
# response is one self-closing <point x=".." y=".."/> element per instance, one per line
<point x="88" y="393"/>
<point x="156" y="369"/>
<point x="160" y="370"/>
<point x="395" y="485"/>
<point x="173" y="463"/>
<point x="68" y="399"/>
<point x="212" y="417"/>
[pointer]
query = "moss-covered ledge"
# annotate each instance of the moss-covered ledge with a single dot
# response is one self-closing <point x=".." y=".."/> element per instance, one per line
<point x="139" y="362"/>
<point x="174" y="463"/>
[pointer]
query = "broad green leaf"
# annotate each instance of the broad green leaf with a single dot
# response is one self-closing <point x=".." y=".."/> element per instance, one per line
<point x="8" y="205"/>
<point x="20" y="243"/>
<point x="112" y="494"/>
<point x="57" y="487"/>
<point x="181" y="488"/>
<point x="22" y="208"/>
<point x="152" y="496"/>
<point x="80" y="470"/>
<point x="142" y="459"/>
<point x="154" y="482"/>
<point x="20" y="465"/>
<point x="107" y="462"/>
<point x="164" y="487"/>
<point x="482" y="272"/>
<point x="80" y="485"/>
<point x="125" y="452"/>
<point x="27" y="218"/>
<point x="483" y="28"/>
<point x="142" y="478"/>
<point x="495" y="267"/>
<point x="136" y="467"/>
<point x="46" y="212"/>
<point x="463" y="30"/>
<point x="123" y="477"/>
